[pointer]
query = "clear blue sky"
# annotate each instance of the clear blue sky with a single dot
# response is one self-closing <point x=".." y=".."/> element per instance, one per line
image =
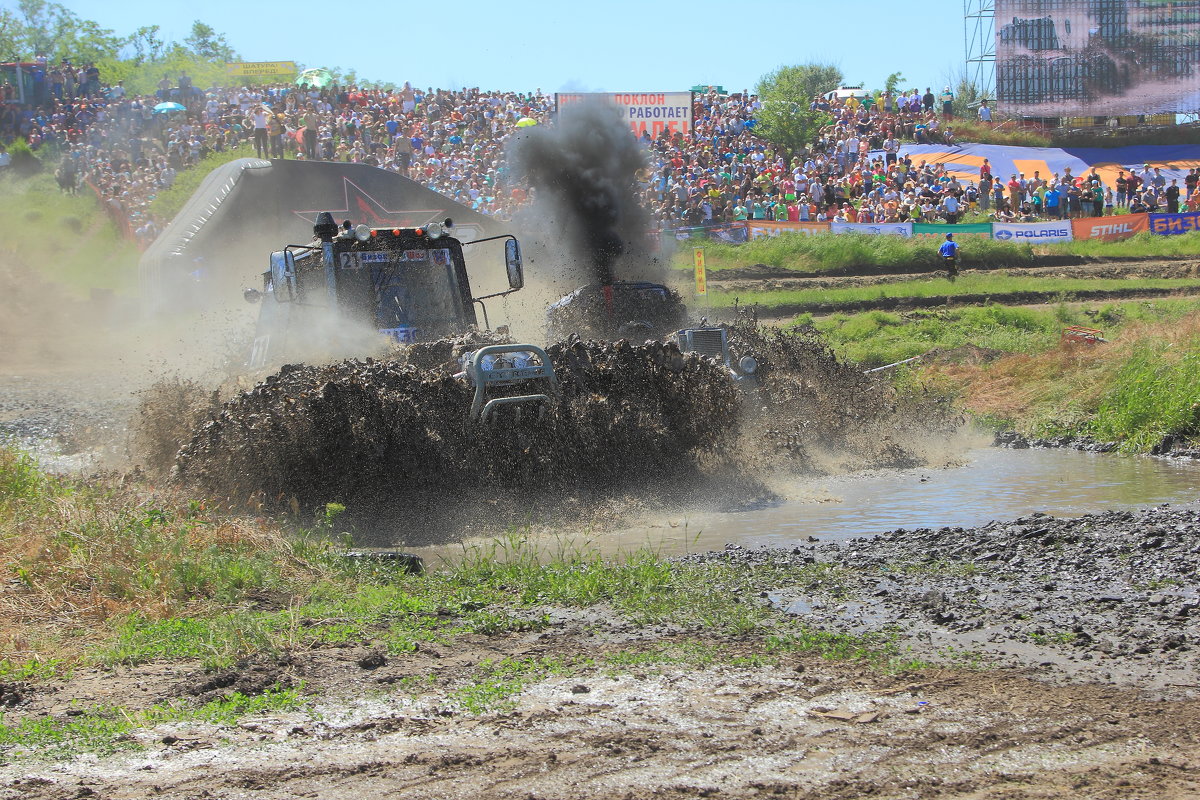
<point x="617" y="45"/>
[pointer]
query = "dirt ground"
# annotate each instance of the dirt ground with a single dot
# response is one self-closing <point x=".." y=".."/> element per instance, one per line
<point x="804" y="728"/>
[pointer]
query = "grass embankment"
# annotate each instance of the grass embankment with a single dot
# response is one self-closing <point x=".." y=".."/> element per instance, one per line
<point x="1137" y="390"/>
<point x="167" y="203"/>
<point x="68" y="239"/>
<point x="828" y="252"/>
<point x="104" y="575"/>
<point x="1139" y="387"/>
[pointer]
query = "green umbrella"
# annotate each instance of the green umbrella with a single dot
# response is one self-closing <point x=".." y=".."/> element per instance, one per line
<point x="317" y="76"/>
<point x="526" y="122"/>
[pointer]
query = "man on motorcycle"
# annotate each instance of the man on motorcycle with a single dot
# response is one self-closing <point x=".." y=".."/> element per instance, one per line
<point x="949" y="253"/>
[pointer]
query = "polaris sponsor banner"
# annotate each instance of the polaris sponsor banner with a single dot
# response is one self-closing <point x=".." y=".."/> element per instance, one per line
<point x="1172" y="224"/>
<point x="874" y="228"/>
<point x="763" y="227"/>
<point x="1032" y="232"/>
<point x="1110" y="229"/>
<point x="646" y="112"/>
<point x="930" y="230"/>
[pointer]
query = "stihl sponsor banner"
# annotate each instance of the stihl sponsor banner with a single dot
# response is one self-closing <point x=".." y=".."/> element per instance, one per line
<point x="1032" y="232"/>
<point x="1171" y="224"/>
<point x="762" y="227"/>
<point x="873" y="228"/>
<point x="1110" y="229"/>
<point x="646" y="112"/>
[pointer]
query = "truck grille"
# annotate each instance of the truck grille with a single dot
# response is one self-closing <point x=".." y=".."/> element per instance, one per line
<point x="706" y="341"/>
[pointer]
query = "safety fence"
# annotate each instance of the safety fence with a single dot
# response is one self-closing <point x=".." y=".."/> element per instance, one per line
<point x="1112" y="228"/>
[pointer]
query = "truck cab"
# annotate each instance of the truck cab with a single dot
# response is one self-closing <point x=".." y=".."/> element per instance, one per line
<point x="349" y="283"/>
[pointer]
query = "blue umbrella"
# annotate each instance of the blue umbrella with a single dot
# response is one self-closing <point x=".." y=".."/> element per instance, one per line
<point x="164" y="108"/>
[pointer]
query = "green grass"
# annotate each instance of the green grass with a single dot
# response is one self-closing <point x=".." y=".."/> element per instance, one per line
<point x="995" y="285"/>
<point x="110" y="728"/>
<point x="167" y="203"/>
<point x="1156" y="392"/>
<point x="874" y="338"/>
<point x="1143" y="245"/>
<point x="67" y="239"/>
<point x="879" y="649"/>
<point x="827" y="252"/>
<point x="498" y="589"/>
<point x="822" y="253"/>
<point x="497" y="682"/>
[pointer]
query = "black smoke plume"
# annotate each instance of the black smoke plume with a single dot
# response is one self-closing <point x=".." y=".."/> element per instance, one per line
<point x="584" y="170"/>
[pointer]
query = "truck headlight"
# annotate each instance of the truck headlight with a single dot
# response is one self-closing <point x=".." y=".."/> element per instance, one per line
<point x="747" y="365"/>
<point x="362" y="232"/>
<point x="434" y="230"/>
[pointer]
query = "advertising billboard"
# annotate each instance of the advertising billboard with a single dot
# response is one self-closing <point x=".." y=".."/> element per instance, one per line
<point x="646" y="112"/>
<point x="1081" y="58"/>
<point x="251" y="69"/>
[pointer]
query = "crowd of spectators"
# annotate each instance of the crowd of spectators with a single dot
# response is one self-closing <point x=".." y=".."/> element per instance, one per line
<point x="120" y="146"/>
<point x="128" y="151"/>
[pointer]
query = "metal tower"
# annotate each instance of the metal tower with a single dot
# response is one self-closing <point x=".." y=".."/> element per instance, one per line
<point x="979" y="25"/>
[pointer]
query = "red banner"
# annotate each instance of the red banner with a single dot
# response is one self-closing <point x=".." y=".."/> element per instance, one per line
<point x="1110" y="229"/>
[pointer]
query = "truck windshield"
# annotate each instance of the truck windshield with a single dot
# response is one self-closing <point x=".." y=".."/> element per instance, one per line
<point x="413" y="290"/>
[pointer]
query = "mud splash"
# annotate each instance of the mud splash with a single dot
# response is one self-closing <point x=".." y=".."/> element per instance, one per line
<point x="389" y="438"/>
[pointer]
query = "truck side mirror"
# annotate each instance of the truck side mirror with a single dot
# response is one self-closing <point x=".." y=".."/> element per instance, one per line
<point x="512" y="262"/>
<point x="283" y="276"/>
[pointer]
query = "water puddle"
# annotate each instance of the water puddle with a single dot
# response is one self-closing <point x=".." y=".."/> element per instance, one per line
<point x="991" y="484"/>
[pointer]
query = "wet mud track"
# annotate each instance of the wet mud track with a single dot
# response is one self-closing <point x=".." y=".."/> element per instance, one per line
<point x="390" y="438"/>
<point x="802" y="728"/>
<point x="1109" y="597"/>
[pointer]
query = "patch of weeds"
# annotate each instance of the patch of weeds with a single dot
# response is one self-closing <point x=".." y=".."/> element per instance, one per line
<point x="1159" y="583"/>
<point x="34" y="669"/>
<point x="498" y="682"/>
<point x="1056" y="637"/>
<point x="491" y="623"/>
<point x="962" y="658"/>
<point x="415" y="685"/>
<point x="107" y="729"/>
<point x="217" y="641"/>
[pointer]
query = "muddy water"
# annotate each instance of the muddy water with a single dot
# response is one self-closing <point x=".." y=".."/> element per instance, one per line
<point x="990" y="484"/>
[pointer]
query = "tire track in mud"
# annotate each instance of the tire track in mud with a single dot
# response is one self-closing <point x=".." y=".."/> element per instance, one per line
<point x="686" y="733"/>
<point x="762" y="278"/>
